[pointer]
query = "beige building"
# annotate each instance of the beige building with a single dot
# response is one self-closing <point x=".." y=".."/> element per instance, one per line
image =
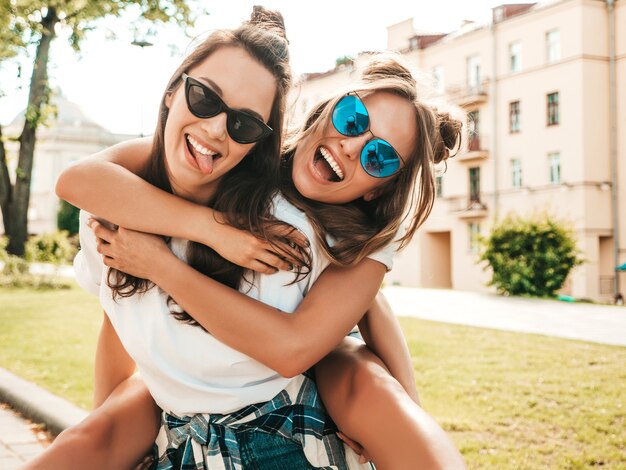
<point x="536" y="84"/>
<point x="68" y="137"/>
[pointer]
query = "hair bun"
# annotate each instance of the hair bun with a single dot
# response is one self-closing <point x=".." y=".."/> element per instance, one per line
<point x="270" y="19"/>
<point x="450" y="134"/>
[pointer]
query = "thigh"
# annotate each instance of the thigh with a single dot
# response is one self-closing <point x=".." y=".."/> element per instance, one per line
<point x="264" y="451"/>
<point x="342" y="370"/>
<point x="134" y="417"/>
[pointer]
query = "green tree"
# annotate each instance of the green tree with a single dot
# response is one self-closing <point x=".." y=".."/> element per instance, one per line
<point x="530" y="256"/>
<point x="68" y="217"/>
<point x="35" y="23"/>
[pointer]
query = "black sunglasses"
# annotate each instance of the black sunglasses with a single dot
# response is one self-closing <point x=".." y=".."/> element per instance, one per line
<point x="378" y="157"/>
<point x="204" y="103"/>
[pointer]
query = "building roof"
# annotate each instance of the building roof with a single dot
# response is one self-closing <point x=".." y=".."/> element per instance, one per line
<point x="70" y="122"/>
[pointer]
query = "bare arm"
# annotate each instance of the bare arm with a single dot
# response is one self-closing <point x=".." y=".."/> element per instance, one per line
<point x="106" y="184"/>
<point x="287" y="343"/>
<point x="382" y="334"/>
<point x="113" y="364"/>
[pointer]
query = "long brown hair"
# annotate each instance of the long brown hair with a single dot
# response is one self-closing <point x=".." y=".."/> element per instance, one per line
<point x="360" y="228"/>
<point x="244" y="194"/>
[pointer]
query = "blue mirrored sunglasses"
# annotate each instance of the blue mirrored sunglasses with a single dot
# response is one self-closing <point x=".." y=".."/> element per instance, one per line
<point x="378" y="157"/>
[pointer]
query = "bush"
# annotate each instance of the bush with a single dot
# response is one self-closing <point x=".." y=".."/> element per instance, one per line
<point x="67" y="217"/>
<point x="530" y="256"/>
<point x="54" y="247"/>
<point x="15" y="272"/>
<point x="4" y="241"/>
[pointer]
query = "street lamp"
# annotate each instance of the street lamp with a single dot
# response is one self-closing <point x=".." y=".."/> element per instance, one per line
<point x="141" y="43"/>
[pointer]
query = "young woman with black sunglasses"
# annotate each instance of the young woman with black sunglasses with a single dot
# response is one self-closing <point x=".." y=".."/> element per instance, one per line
<point x="351" y="171"/>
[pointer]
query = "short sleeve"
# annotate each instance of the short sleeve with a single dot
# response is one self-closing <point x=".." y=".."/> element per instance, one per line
<point x="385" y="255"/>
<point x="88" y="264"/>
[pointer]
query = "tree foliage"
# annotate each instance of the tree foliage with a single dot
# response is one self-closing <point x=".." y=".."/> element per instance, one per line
<point x="26" y="23"/>
<point x="68" y="217"/>
<point x="530" y="256"/>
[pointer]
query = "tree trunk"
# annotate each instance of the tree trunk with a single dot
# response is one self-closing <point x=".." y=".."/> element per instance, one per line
<point x="16" y="224"/>
<point x="5" y="182"/>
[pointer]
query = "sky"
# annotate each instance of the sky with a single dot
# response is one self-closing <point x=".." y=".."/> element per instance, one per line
<point x="119" y="85"/>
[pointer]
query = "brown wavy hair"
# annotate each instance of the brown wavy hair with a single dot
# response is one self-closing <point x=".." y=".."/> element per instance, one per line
<point x="361" y="227"/>
<point x="244" y="194"/>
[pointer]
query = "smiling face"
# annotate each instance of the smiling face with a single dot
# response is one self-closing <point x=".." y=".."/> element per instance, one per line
<point x="198" y="152"/>
<point x="327" y="165"/>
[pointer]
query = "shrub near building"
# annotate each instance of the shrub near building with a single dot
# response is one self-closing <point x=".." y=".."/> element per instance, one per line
<point x="530" y="256"/>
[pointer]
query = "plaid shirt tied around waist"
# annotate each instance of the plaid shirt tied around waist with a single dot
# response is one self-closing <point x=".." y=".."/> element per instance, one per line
<point x="209" y="441"/>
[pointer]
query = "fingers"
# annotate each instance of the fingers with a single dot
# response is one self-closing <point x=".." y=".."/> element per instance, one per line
<point x="273" y="260"/>
<point x="358" y="448"/>
<point x="100" y="230"/>
<point x="355" y="446"/>
<point x="292" y="234"/>
<point x="261" y="267"/>
<point x="103" y="247"/>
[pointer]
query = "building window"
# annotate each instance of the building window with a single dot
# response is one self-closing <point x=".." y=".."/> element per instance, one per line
<point x="554" y="164"/>
<point x="438" y="82"/>
<point x="514" y="117"/>
<point x="515" y="56"/>
<point x="473" y="128"/>
<point x="553" y="108"/>
<point x="473" y="72"/>
<point x="516" y="173"/>
<point x="474" y="182"/>
<point x="553" y="46"/>
<point x="439" y="186"/>
<point x="473" y="229"/>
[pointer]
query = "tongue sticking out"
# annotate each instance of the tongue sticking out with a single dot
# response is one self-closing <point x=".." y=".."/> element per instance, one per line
<point x="205" y="162"/>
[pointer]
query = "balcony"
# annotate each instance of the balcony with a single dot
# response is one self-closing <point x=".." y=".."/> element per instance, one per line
<point x="475" y="152"/>
<point x="472" y="209"/>
<point x="468" y="96"/>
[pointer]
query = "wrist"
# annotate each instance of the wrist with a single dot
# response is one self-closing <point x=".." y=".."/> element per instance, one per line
<point x="210" y="227"/>
<point x="162" y="268"/>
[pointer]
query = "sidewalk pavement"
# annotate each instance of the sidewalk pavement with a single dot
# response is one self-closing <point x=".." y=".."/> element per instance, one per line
<point x="595" y="323"/>
<point x="586" y="322"/>
<point x="18" y="440"/>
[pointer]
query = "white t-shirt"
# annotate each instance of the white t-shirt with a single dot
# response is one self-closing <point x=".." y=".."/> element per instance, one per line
<point x="186" y="369"/>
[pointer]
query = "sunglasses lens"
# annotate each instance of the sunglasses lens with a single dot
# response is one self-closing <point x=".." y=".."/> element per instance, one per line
<point x="379" y="159"/>
<point x="243" y="128"/>
<point x="203" y="102"/>
<point x="350" y="116"/>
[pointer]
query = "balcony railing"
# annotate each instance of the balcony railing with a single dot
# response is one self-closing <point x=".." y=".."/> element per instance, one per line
<point x="474" y="152"/>
<point x="468" y="208"/>
<point x="468" y="95"/>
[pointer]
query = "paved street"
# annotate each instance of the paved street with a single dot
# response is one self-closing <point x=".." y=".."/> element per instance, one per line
<point x="595" y="323"/>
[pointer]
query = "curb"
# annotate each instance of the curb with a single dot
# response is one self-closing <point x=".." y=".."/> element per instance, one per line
<point x="38" y="404"/>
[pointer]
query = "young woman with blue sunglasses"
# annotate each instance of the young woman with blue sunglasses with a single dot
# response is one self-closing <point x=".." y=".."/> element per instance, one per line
<point x="354" y="184"/>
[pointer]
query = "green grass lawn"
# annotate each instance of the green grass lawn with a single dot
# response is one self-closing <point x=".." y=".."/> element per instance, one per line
<point x="509" y="401"/>
<point x="49" y="337"/>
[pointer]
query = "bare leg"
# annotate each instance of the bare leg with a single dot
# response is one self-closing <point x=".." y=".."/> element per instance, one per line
<point x="371" y="407"/>
<point x="117" y="435"/>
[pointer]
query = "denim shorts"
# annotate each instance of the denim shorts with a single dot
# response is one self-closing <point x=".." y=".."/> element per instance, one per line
<point x="264" y="451"/>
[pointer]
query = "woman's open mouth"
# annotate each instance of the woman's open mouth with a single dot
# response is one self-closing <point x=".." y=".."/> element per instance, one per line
<point x="326" y="165"/>
<point x="204" y="157"/>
